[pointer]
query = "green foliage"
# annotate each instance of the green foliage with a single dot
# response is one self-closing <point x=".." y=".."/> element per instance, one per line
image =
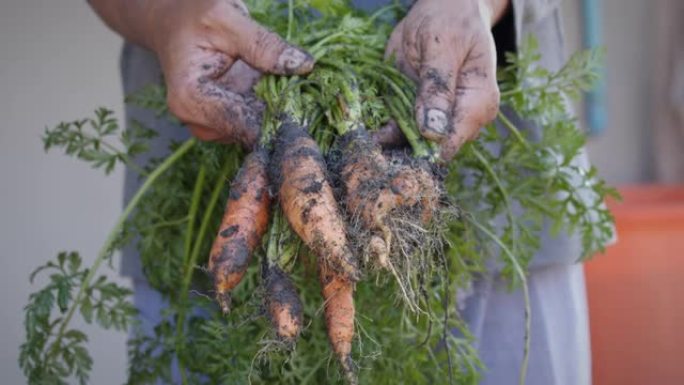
<point x="536" y="92"/>
<point x="151" y="97"/>
<point x="509" y="185"/>
<point x="536" y="177"/>
<point x="90" y="140"/>
<point x="52" y="353"/>
<point x="576" y="193"/>
<point x="163" y="216"/>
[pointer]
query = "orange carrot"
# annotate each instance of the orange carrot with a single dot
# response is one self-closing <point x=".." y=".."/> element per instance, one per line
<point x="376" y="185"/>
<point x="283" y="304"/>
<point x="339" y="318"/>
<point x="364" y="174"/>
<point x="309" y="205"/>
<point x="307" y="200"/>
<point x="414" y="184"/>
<point x="244" y="223"/>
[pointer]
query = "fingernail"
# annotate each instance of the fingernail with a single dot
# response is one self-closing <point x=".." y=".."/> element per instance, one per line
<point x="436" y="121"/>
<point x="294" y="60"/>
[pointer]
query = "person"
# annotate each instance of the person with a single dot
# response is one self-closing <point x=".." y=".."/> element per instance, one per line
<point x="210" y="53"/>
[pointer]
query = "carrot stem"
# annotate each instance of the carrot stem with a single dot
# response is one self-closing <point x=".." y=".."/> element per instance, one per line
<point x="115" y="233"/>
<point x="418" y="144"/>
<point x="190" y="265"/>
<point x="194" y="206"/>
<point x="290" y="18"/>
<point x="513" y="129"/>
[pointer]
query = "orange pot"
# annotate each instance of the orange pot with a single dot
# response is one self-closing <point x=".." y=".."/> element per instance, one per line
<point x="636" y="292"/>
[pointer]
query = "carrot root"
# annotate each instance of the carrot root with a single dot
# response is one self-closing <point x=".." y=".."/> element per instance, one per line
<point x="339" y="319"/>
<point x="308" y="202"/>
<point x="364" y="173"/>
<point x="244" y="223"/>
<point x="283" y="304"/>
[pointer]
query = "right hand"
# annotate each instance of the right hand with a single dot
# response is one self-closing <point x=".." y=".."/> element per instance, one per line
<point x="212" y="53"/>
<point x="447" y="47"/>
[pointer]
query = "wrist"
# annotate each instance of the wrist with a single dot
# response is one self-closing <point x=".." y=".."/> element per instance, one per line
<point x="493" y="10"/>
<point x="154" y="16"/>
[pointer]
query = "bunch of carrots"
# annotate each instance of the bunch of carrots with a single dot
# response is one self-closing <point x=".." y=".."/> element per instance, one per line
<point x="341" y="189"/>
<point x="321" y="169"/>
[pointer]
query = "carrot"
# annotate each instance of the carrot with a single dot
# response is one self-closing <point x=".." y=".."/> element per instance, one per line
<point x="364" y="173"/>
<point x="339" y="318"/>
<point x="244" y="223"/>
<point x="283" y="304"/>
<point x="308" y="202"/>
<point x="362" y="161"/>
<point x="414" y="184"/>
<point x="365" y="177"/>
<point x="375" y="186"/>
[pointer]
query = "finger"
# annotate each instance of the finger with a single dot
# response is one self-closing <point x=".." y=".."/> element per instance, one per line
<point x="474" y="109"/>
<point x="265" y="50"/>
<point x="477" y="98"/>
<point x="389" y="136"/>
<point x="438" y="80"/>
<point x="450" y="146"/>
<point x="241" y="78"/>
<point x="212" y="111"/>
<point x="206" y="134"/>
<point x="221" y="116"/>
<point x="230" y="117"/>
<point x="395" y="50"/>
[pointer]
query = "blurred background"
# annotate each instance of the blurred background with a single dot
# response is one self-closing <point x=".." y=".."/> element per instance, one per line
<point x="58" y="62"/>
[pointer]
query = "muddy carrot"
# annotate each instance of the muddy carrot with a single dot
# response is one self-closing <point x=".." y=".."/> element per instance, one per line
<point x="308" y="202"/>
<point x="339" y="318"/>
<point x="282" y="304"/>
<point x="244" y="222"/>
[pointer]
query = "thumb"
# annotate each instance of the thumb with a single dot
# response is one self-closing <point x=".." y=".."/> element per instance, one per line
<point x="437" y="89"/>
<point x="268" y="52"/>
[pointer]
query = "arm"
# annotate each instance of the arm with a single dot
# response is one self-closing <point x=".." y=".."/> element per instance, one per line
<point x="211" y="53"/>
<point x="447" y="47"/>
<point x="498" y="9"/>
<point x="127" y="17"/>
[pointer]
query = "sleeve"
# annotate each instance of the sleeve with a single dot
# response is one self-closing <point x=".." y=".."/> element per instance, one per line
<point x="541" y="18"/>
<point x="529" y="12"/>
<point x="140" y="68"/>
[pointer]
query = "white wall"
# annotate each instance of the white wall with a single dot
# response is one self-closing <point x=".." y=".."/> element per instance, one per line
<point x="57" y="62"/>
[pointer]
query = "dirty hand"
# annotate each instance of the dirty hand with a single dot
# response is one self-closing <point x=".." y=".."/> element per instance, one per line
<point x="212" y="53"/>
<point x="447" y="47"/>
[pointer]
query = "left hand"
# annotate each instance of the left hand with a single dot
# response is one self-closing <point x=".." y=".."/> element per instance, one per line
<point x="447" y="47"/>
<point x="211" y="53"/>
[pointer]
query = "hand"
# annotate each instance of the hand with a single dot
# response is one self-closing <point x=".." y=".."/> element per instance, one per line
<point x="211" y="55"/>
<point x="447" y="47"/>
